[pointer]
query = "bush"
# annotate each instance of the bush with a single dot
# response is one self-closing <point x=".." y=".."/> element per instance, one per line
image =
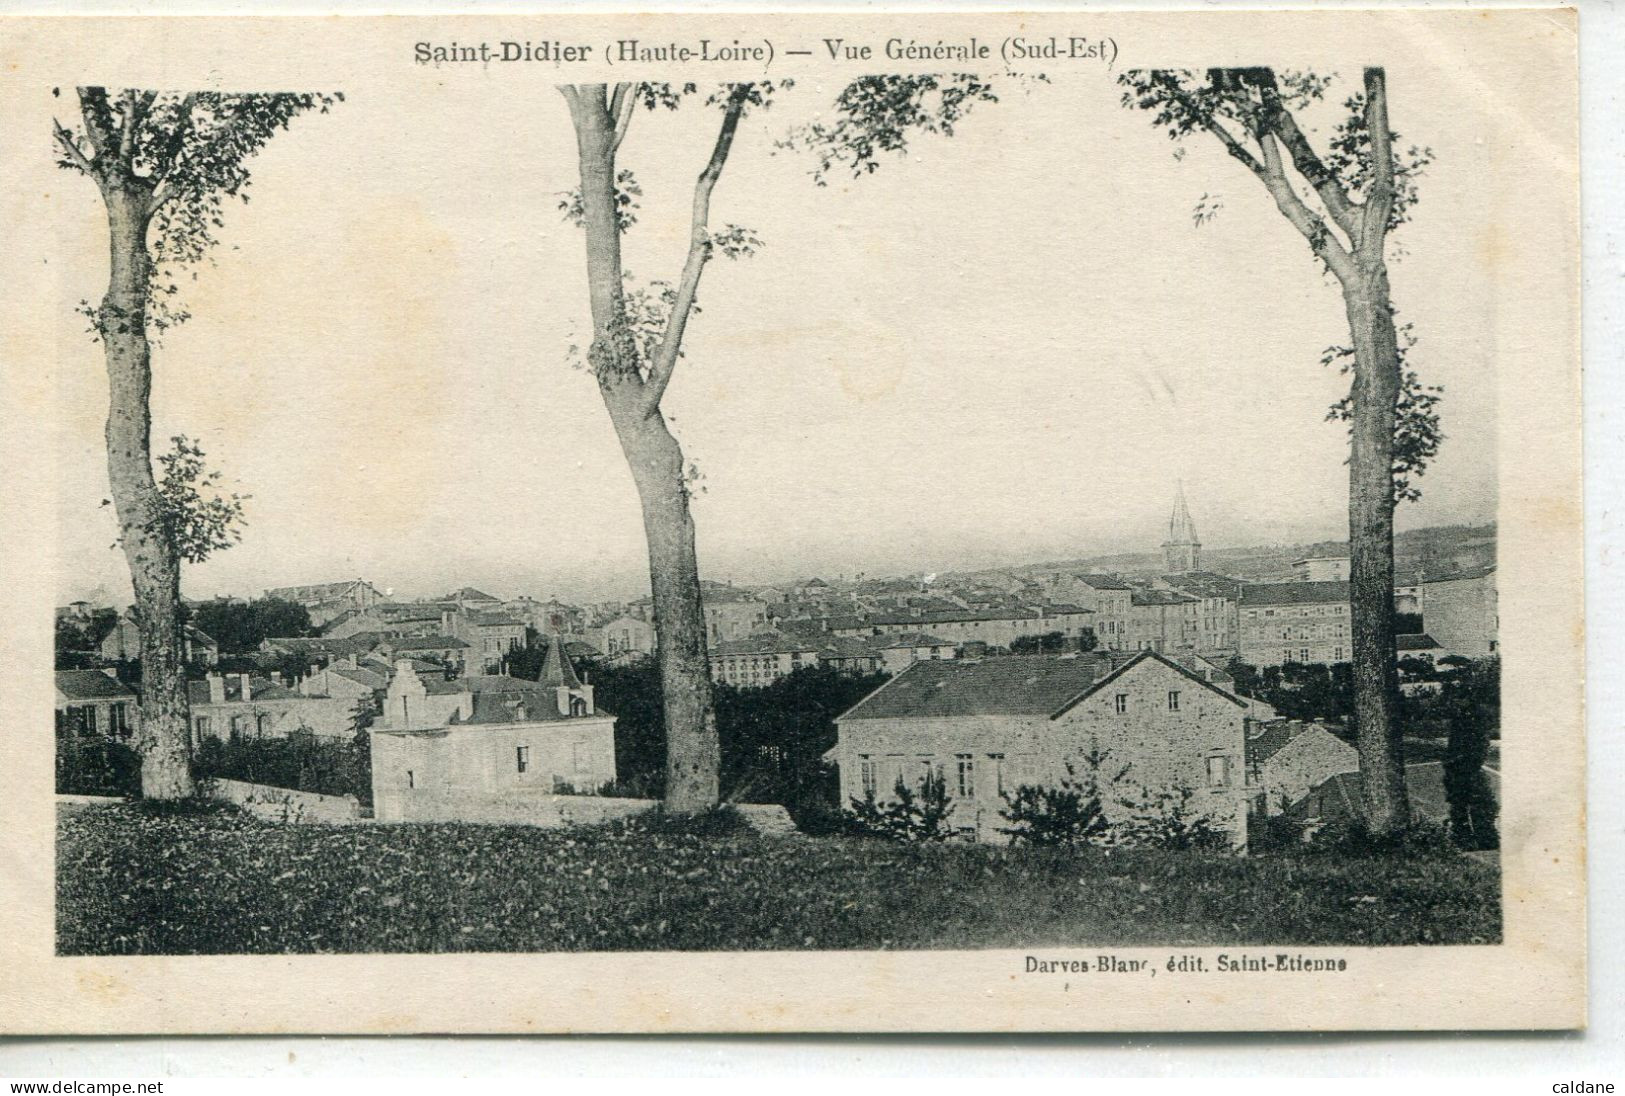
<point x="97" y="766"/>
<point x="914" y="816"/>
<point x="1421" y="840"/>
<point x="1168" y="818"/>
<point x="299" y="762"/>
<point x="1066" y="813"/>
<point x="720" y="821"/>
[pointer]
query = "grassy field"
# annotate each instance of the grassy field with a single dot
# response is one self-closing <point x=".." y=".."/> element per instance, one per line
<point x="130" y="882"/>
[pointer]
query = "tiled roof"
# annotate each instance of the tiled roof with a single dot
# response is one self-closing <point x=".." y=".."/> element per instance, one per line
<point x="1160" y="597"/>
<point x="909" y="639"/>
<point x="1012" y="685"/>
<point x="260" y="688"/>
<point x="1338" y="797"/>
<point x="498" y="619"/>
<point x="469" y="593"/>
<point x="764" y="643"/>
<point x="1416" y="641"/>
<point x="1294" y="593"/>
<point x="91" y="685"/>
<point x="425" y="643"/>
<point x="556" y="667"/>
<point x="317" y="592"/>
<point x="360" y="675"/>
<point x="1103" y="582"/>
<point x="1462" y="575"/>
<point x="950" y="617"/>
<point x="1206" y="584"/>
<point x="1275" y="736"/>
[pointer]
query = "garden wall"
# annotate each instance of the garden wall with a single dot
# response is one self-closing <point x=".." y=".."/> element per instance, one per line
<point x="284" y="804"/>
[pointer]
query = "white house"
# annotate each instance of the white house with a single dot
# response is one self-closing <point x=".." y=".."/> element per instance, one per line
<point x="488" y="747"/>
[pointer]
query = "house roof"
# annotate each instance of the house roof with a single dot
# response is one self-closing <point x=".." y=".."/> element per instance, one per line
<point x="1012" y="685"/>
<point x="371" y="679"/>
<point x="1294" y="593"/>
<point x="556" y="668"/>
<point x="1103" y="582"/>
<point x="91" y="685"/>
<point x="1462" y="575"/>
<point x="909" y="639"/>
<point x="320" y="591"/>
<point x="1418" y="641"/>
<point x="260" y="688"/>
<point x="497" y="619"/>
<point x="425" y="643"/>
<point x="763" y="643"/>
<point x="469" y="593"/>
<point x="1160" y="597"/>
<point x="1206" y="584"/>
<point x="1338" y="797"/>
<point x="1276" y="735"/>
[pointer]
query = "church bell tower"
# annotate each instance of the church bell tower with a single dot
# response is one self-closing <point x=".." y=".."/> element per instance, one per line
<point x="1181" y="552"/>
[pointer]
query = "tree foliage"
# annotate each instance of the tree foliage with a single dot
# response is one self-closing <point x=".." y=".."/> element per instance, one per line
<point x="878" y="116"/>
<point x="1417" y="432"/>
<point x="188" y="154"/>
<point x="240" y="627"/>
<point x="198" y="517"/>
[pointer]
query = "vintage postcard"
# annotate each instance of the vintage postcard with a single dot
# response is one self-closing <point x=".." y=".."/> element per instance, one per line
<point x="792" y="522"/>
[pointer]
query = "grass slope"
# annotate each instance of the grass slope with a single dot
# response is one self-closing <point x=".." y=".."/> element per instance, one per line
<point x="221" y="883"/>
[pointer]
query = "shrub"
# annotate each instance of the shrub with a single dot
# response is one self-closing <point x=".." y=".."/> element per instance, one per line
<point x="914" y="815"/>
<point x="300" y="762"/>
<point x="1067" y="813"/>
<point x="97" y="766"/>
<point x="720" y="821"/>
<point x="1422" y="839"/>
<point x="1169" y="818"/>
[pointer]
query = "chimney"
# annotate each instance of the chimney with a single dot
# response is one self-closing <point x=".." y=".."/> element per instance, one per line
<point x="217" y="689"/>
<point x="563" y="694"/>
<point x="243" y="684"/>
<point x="586" y="694"/>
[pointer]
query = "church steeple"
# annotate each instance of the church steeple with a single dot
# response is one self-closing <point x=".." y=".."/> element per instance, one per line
<point x="1181" y="552"/>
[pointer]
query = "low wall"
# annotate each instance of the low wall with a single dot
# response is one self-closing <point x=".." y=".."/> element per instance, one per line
<point x="556" y="811"/>
<point x="516" y="809"/>
<point x="283" y="804"/>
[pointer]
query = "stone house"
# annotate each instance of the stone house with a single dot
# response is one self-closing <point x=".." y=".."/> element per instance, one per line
<point x="1461" y="612"/>
<point x="995" y="627"/>
<point x="327" y="600"/>
<point x="1162" y="620"/>
<point x="732" y="614"/>
<point x="1108" y="597"/>
<point x="348" y="679"/>
<point x="987" y="726"/>
<point x="760" y="660"/>
<point x="844" y="654"/>
<point x="1306" y="622"/>
<point x="1217" y="617"/>
<point x="1286" y="758"/>
<point x="236" y="706"/>
<point x="624" y="636"/>
<point x="487" y="747"/>
<point x="899" y="652"/>
<point x="449" y="650"/>
<point x="1321" y="569"/>
<point x="95" y="702"/>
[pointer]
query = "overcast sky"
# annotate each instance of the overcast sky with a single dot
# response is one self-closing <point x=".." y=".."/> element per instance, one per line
<point x="1005" y="347"/>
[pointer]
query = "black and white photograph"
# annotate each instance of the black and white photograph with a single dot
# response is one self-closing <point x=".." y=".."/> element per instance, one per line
<point x="787" y="491"/>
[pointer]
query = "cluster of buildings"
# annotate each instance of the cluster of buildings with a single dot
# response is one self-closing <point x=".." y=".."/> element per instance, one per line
<point x="1130" y="664"/>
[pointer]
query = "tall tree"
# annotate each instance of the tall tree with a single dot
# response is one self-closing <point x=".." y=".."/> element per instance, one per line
<point x="1350" y="201"/>
<point x="638" y="340"/>
<point x="165" y="165"/>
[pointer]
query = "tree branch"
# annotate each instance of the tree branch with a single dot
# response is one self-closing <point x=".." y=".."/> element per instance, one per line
<point x="1280" y="121"/>
<point x="71" y="147"/>
<point x="621" y="106"/>
<point x="699" y="250"/>
<point x="169" y="155"/>
<point x="98" y="118"/>
<point x="1379" y="199"/>
<point x="1304" y="219"/>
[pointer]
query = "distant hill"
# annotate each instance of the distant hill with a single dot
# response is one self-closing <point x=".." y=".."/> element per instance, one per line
<point x="1434" y="549"/>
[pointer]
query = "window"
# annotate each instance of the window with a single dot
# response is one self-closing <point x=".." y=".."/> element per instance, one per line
<point x="1218" y="771"/>
<point x="998" y="772"/>
<point x="201" y="726"/>
<point x="967" y="775"/>
<point x="262" y="725"/>
<point x="239" y="724"/>
<point x="1303" y="654"/>
<point x="1122" y="703"/>
<point x="118" y="720"/>
<point x="867" y="774"/>
<point x="1173" y="700"/>
<point x="411" y="780"/>
<point x="522" y="757"/>
<point x="1337" y="654"/>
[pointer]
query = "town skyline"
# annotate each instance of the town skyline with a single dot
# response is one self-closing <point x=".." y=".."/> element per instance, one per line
<point x="1027" y="393"/>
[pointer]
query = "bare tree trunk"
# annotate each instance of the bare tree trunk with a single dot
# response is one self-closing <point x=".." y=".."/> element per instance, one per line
<point x="154" y="564"/>
<point x="1378" y="734"/>
<point x="693" y="755"/>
